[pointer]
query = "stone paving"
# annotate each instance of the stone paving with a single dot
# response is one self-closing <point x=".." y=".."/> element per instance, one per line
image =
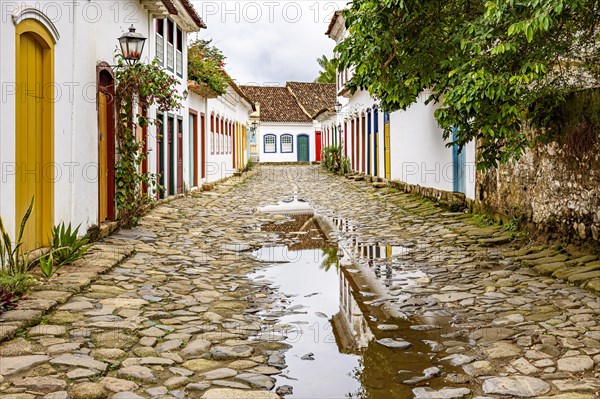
<point x="179" y="317"/>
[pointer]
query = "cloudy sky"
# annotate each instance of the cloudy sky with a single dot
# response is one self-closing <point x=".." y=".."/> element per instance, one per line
<point x="269" y="42"/>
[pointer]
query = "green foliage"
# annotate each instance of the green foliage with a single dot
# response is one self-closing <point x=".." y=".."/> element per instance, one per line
<point x="205" y="65"/>
<point x="249" y="165"/>
<point x="17" y="283"/>
<point x="332" y="158"/>
<point x="345" y="166"/>
<point x="12" y="259"/>
<point x="47" y="265"/>
<point x="330" y="259"/>
<point x="328" y="70"/>
<point x="146" y="84"/>
<point x="66" y="246"/>
<point x="489" y="63"/>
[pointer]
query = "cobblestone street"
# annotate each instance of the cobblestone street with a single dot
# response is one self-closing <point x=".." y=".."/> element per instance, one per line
<point x="180" y="317"/>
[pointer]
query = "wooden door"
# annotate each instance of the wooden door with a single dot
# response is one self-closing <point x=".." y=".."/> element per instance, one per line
<point x="369" y="140"/>
<point x="194" y="148"/>
<point x="375" y="142"/>
<point x="386" y="145"/>
<point x="363" y="143"/>
<point x="303" y="148"/>
<point x="170" y="157"/>
<point x="459" y="166"/>
<point x="179" y="156"/>
<point x="160" y="153"/>
<point x="318" y="146"/>
<point x="203" y="146"/>
<point x="34" y="144"/>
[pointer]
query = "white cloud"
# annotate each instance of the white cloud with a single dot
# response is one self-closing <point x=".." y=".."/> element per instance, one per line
<point x="269" y="42"/>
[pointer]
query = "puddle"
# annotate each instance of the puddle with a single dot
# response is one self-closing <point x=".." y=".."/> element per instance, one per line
<point x="337" y="315"/>
<point x="292" y="205"/>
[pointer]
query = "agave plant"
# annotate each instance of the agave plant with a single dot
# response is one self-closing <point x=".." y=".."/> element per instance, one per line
<point x="12" y="259"/>
<point x="66" y="246"/>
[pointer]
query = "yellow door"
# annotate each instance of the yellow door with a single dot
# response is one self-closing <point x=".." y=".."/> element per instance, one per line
<point x="102" y="156"/>
<point x="34" y="132"/>
<point x="386" y="144"/>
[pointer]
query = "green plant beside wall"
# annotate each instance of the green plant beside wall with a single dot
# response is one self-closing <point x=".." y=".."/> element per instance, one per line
<point x="66" y="246"/>
<point x="145" y="85"/>
<point x="13" y="260"/>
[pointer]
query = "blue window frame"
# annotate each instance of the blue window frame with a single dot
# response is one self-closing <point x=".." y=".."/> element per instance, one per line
<point x="270" y="143"/>
<point x="286" y="143"/>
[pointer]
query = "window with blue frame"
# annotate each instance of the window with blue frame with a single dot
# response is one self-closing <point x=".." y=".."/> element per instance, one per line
<point x="287" y="143"/>
<point x="270" y="143"/>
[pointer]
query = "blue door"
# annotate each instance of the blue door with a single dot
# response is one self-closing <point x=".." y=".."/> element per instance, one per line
<point x="303" y="150"/>
<point x="369" y="143"/>
<point x="459" y="167"/>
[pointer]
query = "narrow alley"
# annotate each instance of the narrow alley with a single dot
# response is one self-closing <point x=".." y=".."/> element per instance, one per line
<point x="420" y="302"/>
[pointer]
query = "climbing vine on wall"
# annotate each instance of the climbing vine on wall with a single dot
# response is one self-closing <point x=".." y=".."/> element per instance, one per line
<point x="140" y="85"/>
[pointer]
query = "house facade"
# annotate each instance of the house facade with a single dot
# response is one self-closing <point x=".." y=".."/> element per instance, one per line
<point x="288" y="131"/>
<point x="405" y="145"/>
<point x="57" y="140"/>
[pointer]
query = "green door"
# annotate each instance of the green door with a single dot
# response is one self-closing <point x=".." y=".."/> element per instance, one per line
<point x="303" y="150"/>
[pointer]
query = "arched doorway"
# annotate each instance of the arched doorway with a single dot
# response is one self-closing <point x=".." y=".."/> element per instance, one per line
<point x="34" y="147"/>
<point x="106" y="143"/>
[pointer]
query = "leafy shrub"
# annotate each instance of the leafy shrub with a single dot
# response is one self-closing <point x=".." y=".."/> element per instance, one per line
<point x="249" y="165"/>
<point x="12" y="286"/>
<point x="66" y="247"/>
<point x="345" y="168"/>
<point x="205" y="65"/>
<point x="332" y="156"/>
<point x="12" y="259"/>
<point x="15" y="284"/>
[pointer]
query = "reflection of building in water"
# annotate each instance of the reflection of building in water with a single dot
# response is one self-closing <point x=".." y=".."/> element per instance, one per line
<point x="342" y="224"/>
<point x="351" y="330"/>
<point x="303" y="229"/>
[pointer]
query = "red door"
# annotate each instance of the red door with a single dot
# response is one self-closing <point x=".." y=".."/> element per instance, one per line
<point x="203" y="148"/>
<point x="318" y="146"/>
<point x="180" y="156"/>
<point x="345" y="139"/>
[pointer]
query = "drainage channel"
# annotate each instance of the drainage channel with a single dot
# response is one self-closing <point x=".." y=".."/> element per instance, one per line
<point x="332" y="305"/>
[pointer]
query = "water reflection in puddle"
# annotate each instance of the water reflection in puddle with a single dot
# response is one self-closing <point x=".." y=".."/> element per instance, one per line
<point x="336" y="316"/>
<point x="312" y="292"/>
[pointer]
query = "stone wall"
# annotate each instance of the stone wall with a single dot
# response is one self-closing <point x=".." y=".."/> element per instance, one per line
<point x="552" y="189"/>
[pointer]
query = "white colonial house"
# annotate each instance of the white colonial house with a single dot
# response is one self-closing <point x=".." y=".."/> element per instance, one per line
<point x="405" y="145"/>
<point x="57" y="127"/>
<point x="223" y="121"/>
<point x="288" y="131"/>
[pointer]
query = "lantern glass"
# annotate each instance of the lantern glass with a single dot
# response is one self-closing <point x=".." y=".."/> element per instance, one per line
<point x="132" y="45"/>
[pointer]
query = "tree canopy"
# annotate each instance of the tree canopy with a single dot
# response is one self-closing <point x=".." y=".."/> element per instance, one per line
<point x="328" y="72"/>
<point x="494" y="66"/>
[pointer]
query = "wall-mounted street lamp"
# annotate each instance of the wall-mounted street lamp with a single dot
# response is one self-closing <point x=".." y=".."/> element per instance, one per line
<point x="254" y="125"/>
<point x="132" y="45"/>
<point x="185" y="94"/>
<point x="338" y="107"/>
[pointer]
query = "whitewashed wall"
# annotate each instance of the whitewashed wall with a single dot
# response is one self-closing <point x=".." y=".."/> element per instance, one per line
<point x="279" y="129"/>
<point x="234" y="109"/>
<point x="88" y="34"/>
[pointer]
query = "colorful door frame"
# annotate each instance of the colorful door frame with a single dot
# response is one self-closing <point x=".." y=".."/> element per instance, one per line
<point x="375" y="142"/>
<point x="386" y="145"/>
<point x="459" y="166"/>
<point x="34" y="142"/>
<point x="179" y="155"/>
<point x="106" y="142"/>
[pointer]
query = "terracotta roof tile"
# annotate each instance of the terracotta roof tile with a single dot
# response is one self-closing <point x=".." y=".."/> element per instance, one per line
<point x="277" y="104"/>
<point x="188" y="7"/>
<point x="334" y="19"/>
<point x="313" y="97"/>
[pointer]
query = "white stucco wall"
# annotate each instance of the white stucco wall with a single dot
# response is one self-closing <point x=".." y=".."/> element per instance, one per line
<point x="233" y="109"/>
<point x="279" y="129"/>
<point x="88" y="34"/>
